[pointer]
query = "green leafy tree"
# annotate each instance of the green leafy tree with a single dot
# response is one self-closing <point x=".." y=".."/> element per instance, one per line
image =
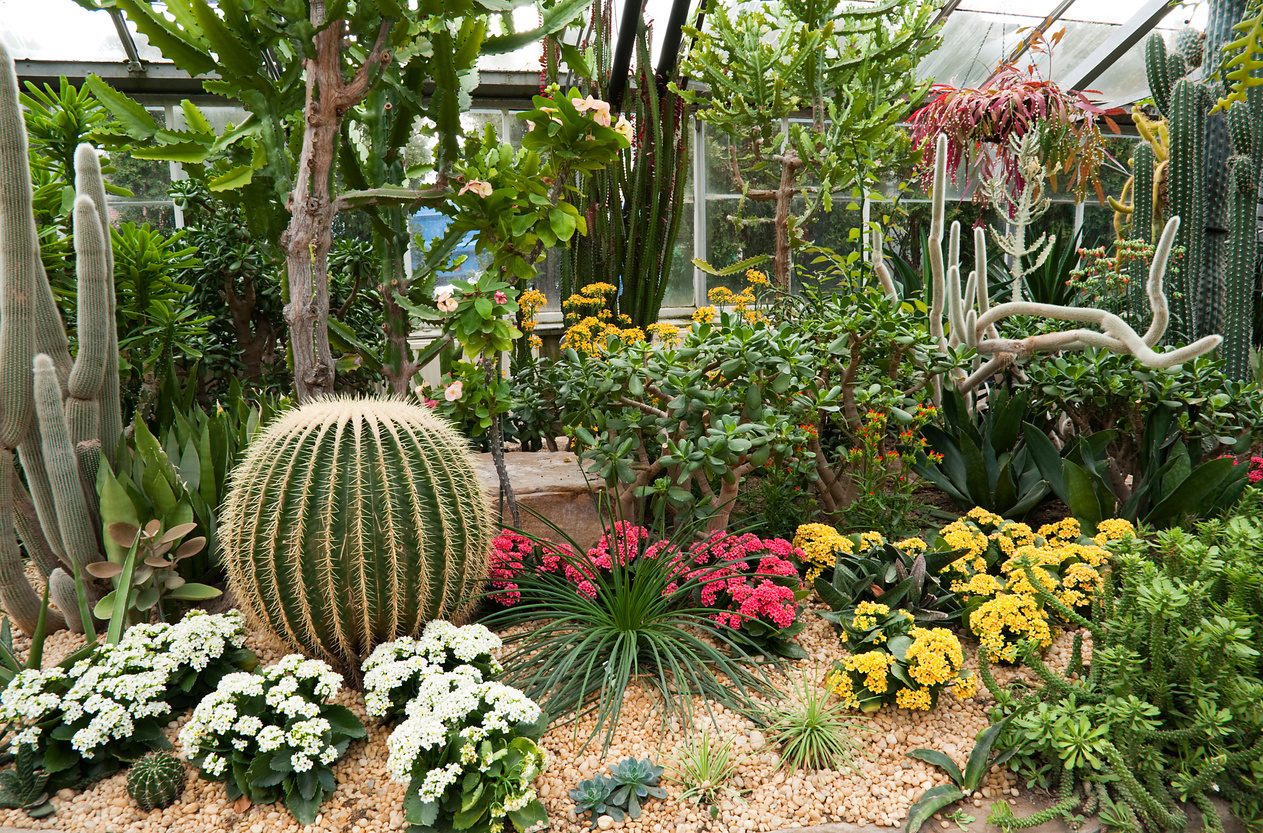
<point x="850" y="71"/>
<point x="306" y="71"/>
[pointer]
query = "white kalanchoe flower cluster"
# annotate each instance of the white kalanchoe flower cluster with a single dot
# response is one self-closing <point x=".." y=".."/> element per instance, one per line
<point x="276" y="709"/>
<point x="119" y="684"/>
<point x="392" y="670"/>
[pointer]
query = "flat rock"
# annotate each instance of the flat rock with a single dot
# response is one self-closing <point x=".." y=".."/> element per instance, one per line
<point x="550" y="483"/>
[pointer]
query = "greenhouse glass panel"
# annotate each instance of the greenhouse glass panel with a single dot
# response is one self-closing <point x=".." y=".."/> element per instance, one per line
<point x="76" y="35"/>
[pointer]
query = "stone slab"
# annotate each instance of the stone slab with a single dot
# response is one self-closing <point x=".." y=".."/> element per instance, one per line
<point x="550" y="483"/>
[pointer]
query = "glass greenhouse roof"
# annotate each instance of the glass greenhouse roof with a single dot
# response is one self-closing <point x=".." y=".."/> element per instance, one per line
<point x="59" y="34"/>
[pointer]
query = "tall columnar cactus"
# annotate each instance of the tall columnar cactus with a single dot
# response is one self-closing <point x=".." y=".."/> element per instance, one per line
<point x="1158" y="69"/>
<point x="1189" y="105"/>
<point x="1238" y="314"/>
<point x="351" y="522"/>
<point x="57" y="439"/>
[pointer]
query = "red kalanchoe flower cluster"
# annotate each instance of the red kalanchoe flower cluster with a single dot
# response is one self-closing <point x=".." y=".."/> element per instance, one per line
<point x="511" y="553"/>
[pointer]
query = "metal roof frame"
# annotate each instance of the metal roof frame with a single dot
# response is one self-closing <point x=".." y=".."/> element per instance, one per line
<point x="1124" y="38"/>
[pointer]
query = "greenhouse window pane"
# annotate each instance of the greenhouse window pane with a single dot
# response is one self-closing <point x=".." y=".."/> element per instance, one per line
<point x="61" y="30"/>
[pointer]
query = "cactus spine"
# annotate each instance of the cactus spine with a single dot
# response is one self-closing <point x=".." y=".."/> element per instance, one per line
<point x="156" y="780"/>
<point x="351" y="522"/>
<point x="55" y="438"/>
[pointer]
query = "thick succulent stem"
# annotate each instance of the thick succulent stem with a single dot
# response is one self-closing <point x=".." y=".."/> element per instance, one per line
<point x="89" y="183"/>
<point x="1189" y="104"/>
<point x="1238" y="313"/>
<point x="61" y="589"/>
<point x="73" y="518"/>
<point x="20" y="600"/>
<point x="83" y="388"/>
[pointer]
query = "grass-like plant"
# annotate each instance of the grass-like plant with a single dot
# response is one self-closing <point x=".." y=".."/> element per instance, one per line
<point x="813" y="733"/>
<point x="639" y="619"/>
<point x="703" y="767"/>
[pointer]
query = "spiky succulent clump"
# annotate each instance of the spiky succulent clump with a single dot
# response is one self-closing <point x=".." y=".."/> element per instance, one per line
<point x="352" y="522"/>
<point x="156" y="780"/>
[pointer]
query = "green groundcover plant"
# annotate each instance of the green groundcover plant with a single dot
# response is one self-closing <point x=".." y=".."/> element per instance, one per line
<point x="1167" y="709"/>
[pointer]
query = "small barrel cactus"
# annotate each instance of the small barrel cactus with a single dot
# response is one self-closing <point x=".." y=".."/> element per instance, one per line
<point x="156" y="780"/>
<point x="352" y="522"/>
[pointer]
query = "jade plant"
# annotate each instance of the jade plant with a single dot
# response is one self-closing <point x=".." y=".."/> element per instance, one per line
<point x="351" y="522"/>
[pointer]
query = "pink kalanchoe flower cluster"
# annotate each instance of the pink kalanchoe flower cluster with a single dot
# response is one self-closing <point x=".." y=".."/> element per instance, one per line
<point x="747" y="578"/>
<point x="1256" y="469"/>
<point x="511" y="553"/>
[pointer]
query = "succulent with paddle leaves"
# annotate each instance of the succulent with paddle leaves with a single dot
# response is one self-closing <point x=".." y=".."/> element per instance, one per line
<point x="155" y="578"/>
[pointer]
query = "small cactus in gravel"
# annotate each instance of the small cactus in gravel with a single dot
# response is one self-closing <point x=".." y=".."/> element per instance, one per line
<point x="156" y="780"/>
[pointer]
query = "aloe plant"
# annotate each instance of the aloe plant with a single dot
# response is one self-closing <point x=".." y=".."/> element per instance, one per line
<point x="963" y="783"/>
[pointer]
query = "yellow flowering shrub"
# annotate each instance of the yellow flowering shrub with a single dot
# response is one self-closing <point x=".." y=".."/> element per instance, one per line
<point x="821" y="544"/>
<point x="894" y="662"/>
<point x="1003" y="622"/>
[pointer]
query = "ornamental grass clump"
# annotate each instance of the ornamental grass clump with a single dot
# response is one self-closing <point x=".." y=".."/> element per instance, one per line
<point x="894" y="662"/>
<point x="273" y="735"/>
<point x="106" y="706"/>
<point x="393" y="673"/>
<point x="468" y="754"/>
<point x="812" y="733"/>
<point x="633" y="609"/>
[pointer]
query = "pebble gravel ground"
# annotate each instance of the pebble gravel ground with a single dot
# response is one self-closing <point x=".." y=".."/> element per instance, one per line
<point x="877" y="789"/>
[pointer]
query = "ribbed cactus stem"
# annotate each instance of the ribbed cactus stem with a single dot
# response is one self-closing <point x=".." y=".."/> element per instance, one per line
<point x="156" y="780"/>
<point x="89" y="183"/>
<point x="1238" y="313"/>
<point x="1189" y="104"/>
<point x="19" y="598"/>
<point x="73" y="519"/>
<point x="1158" y="72"/>
<point x="61" y="589"/>
<point x="1141" y="227"/>
<point x="31" y="534"/>
<point x="351" y="522"/>
<point x="83" y="388"/>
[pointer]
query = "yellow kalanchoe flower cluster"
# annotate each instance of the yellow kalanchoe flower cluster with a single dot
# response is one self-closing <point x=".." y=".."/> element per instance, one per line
<point x="866" y="614"/>
<point x="666" y="333"/>
<point x="1113" y="529"/>
<point x="935" y="656"/>
<point x="821" y="543"/>
<point x="1001" y="623"/>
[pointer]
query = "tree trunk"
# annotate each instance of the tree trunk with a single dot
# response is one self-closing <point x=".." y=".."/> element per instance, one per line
<point x="790" y="163"/>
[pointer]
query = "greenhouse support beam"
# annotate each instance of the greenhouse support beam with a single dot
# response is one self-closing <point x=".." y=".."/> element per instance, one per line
<point x="129" y="45"/>
<point x="1037" y="31"/>
<point x="620" y="64"/>
<point x="1117" y="44"/>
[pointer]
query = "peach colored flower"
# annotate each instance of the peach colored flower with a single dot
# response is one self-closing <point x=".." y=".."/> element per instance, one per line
<point x="454" y="391"/>
<point x="600" y="109"/>
<point x="446" y="303"/>
<point x="482" y="189"/>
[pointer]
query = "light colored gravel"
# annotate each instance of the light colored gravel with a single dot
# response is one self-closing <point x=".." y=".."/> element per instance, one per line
<point x="879" y="789"/>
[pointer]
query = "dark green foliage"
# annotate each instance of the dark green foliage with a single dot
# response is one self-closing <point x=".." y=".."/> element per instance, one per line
<point x="23" y="786"/>
<point x="891" y="576"/>
<point x="985" y="461"/>
<point x="580" y="654"/>
<point x="156" y="780"/>
<point x="1049" y="283"/>
<point x="1167" y="710"/>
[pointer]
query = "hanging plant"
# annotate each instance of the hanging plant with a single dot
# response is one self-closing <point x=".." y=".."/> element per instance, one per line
<point x="1014" y="101"/>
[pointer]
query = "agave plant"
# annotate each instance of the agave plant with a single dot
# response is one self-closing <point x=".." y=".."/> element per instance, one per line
<point x="1013" y="101"/>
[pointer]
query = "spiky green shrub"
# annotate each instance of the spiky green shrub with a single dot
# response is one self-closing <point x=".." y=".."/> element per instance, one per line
<point x="156" y="780"/>
<point x="352" y="522"/>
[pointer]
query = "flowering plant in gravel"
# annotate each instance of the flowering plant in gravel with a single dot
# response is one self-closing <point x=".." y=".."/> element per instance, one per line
<point x="1001" y="606"/>
<point x="393" y="673"/>
<point x="468" y="754"/>
<point x="893" y="661"/>
<point x="108" y="707"/>
<point x="642" y="618"/>
<point x="273" y="734"/>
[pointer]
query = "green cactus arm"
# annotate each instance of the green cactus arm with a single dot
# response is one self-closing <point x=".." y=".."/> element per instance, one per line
<point x="1238" y="313"/>
<point x="1189" y="104"/>
<point x="19" y="258"/>
<point x="73" y="518"/>
<point x="88" y="374"/>
<point x="89" y="183"/>
<point x="19" y="598"/>
<point x="1158" y="72"/>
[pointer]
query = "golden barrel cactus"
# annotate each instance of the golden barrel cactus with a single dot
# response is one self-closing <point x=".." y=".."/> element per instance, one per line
<point x="351" y="522"/>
